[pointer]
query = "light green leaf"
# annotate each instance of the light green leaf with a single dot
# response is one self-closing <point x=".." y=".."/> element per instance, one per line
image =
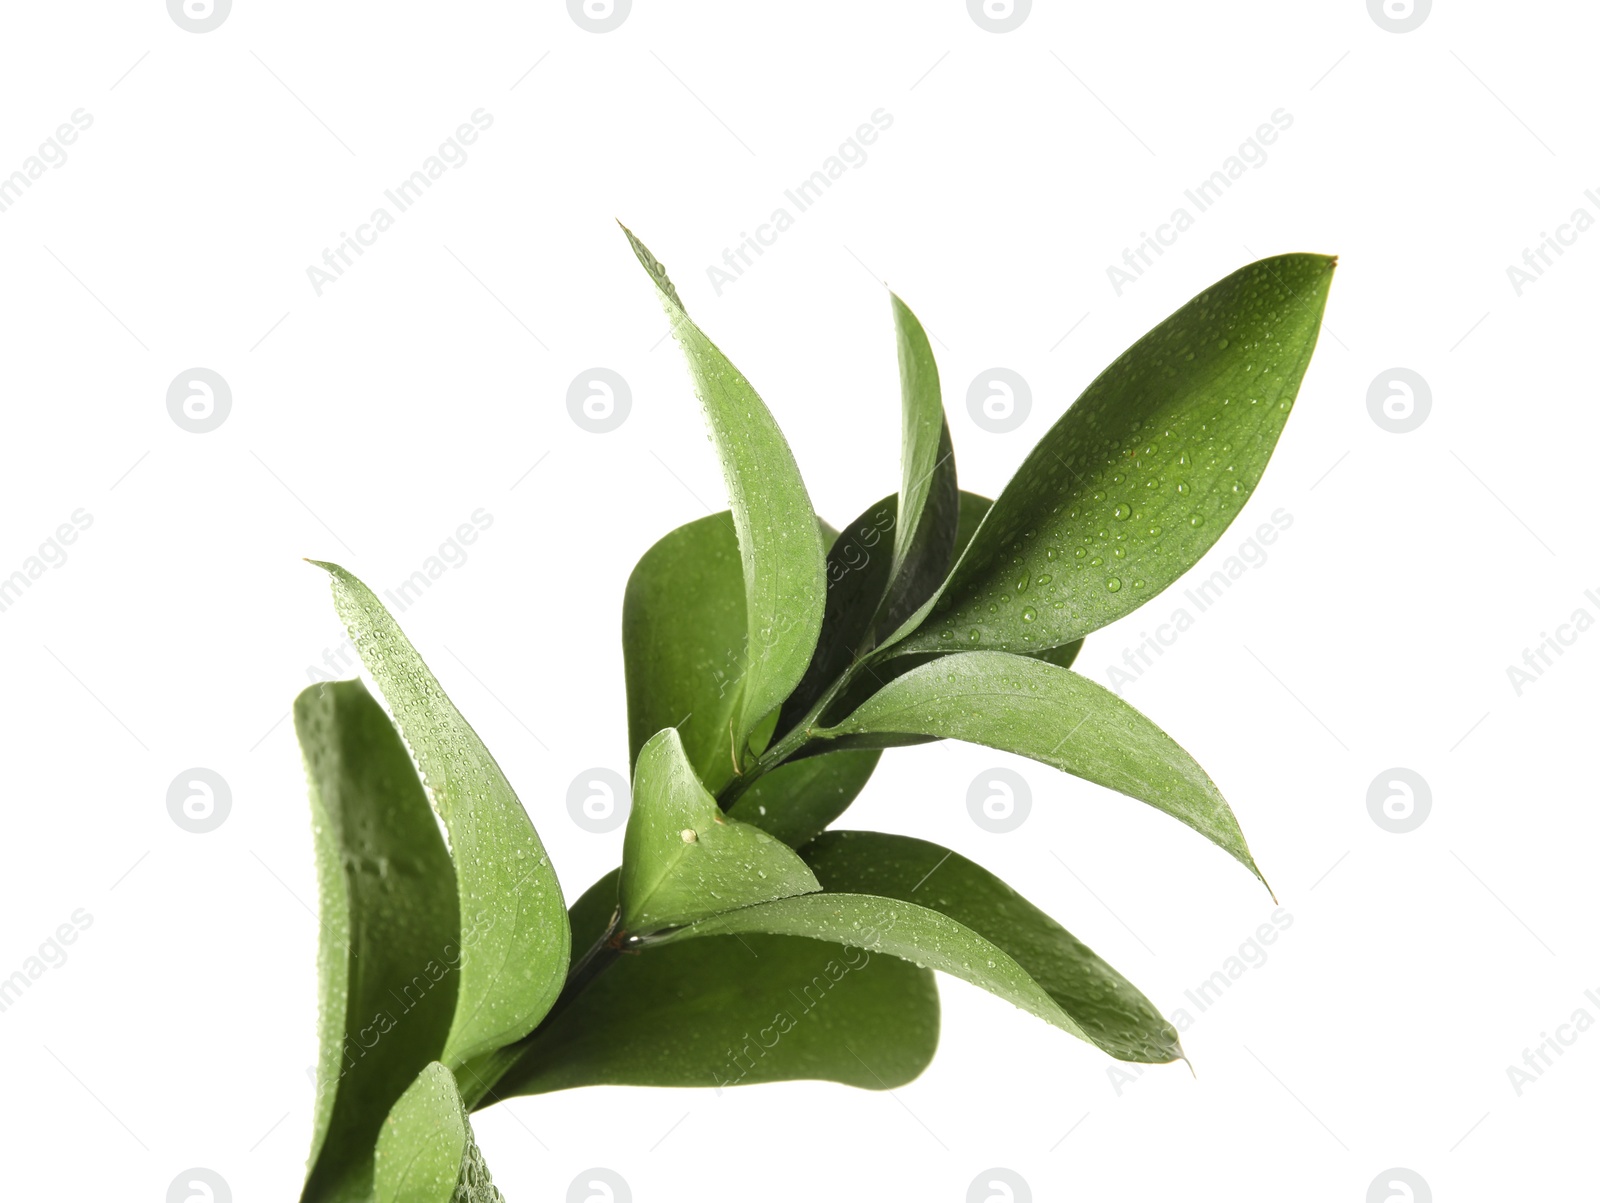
<point x="426" y="1153"/>
<point x="801" y="797"/>
<point x="389" y="929"/>
<point x="1143" y="473"/>
<point x="928" y="502"/>
<point x="515" y="942"/>
<point x="921" y="424"/>
<point x="970" y="925"/>
<point x="682" y="859"/>
<point x="683" y="626"/>
<point x="732" y="1010"/>
<point x="1044" y="712"/>
<point x="780" y="544"/>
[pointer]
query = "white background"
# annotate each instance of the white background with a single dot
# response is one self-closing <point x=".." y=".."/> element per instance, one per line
<point x="369" y="421"/>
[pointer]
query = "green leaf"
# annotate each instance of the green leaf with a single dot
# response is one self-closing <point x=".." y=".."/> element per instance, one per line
<point x="860" y="562"/>
<point x="964" y="922"/>
<point x="515" y="942"/>
<point x="683" y="628"/>
<point x="929" y="505"/>
<point x="1144" y="472"/>
<point x="682" y="642"/>
<point x="780" y="544"/>
<point x="1038" y="710"/>
<point x="682" y="859"/>
<point x="389" y="929"/>
<point x="1114" y="1014"/>
<point x="729" y="1010"/>
<point x="801" y="797"/>
<point x="973" y="509"/>
<point x="426" y="1153"/>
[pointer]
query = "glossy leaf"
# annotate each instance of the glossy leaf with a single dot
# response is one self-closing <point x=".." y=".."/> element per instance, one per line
<point x="1144" y="472"/>
<point x="682" y="859"/>
<point x="1114" y="1014"/>
<point x="389" y="929"/>
<point x="683" y="627"/>
<point x="1035" y="709"/>
<point x="780" y="545"/>
<point x="426" y="1153"/>
<point x="732" y="1010"/>
<point x="859" y="567"/>
<point x="929" y="507"/>
<point x="801" y="797"/>
<point x="971" y="926"/>
<point x="514" y="943"/>
<point x="973" y="509"/>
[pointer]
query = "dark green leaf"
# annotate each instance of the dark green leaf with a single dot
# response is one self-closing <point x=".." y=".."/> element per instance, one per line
<point x="972" y="926"/>
<point x="682" y="859"/>
<point x="1035" y="709"/>
<point x="860" y="561"/>
<point x="731" y="1010"/>
<point x="683" y="628"/>
<point x="515" y="942"/>
<point x="1144" y="472"/>
<point x="1114" y="1015"/>
<point x="426" y="1153"/>
<point x="780" y="544"/>
<point x="389" y="929"/>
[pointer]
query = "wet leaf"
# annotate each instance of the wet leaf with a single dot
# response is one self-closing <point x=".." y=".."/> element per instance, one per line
<point x="514" y="939"/>
<point x="682" y="859"/>
<point x="1144" y="472"/>
<point x="389" y="929"/>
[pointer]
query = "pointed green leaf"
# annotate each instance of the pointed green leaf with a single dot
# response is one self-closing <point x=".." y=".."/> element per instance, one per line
<point x="683" y="625"/>
<point x="801" y="797"/>
<point x="389" y="929"/>
<point x="1035" y="709"/>
<point x="682" y="859"/>
<point x="1144" y="472"/>
<point x="780" y="544"/>
<point x="1114" y="1014"/>
<point x="970" y="925"/>
<point x="426" y="1153"/>
<point x="928" y="502"/>
<point x="515" y="942"/>
<point x="922" y="426"/>
<point x="732" y="1010"/>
